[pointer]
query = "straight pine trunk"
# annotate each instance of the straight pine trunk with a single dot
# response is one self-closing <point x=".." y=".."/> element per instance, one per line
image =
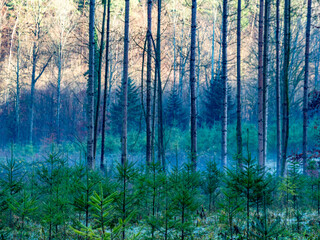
<point x="278" y="91"/>
<point x="239" y="134"/>
<point x="305" y="89"/>
<point x="104" y="110"/>
<point x="125" y="85"/>
<point x="260" y="89"/>
<point x="265" y="78"/>
<point x="224" y="119"/>
<point x="58" y="89"/>
<point x="285" y="93"/>
<point x="97" y="110"/>
<point x="90" y="91"/>
<point x="193" y="86"/>
<point x="148" y="98"/>
<point x="17" y="110"/>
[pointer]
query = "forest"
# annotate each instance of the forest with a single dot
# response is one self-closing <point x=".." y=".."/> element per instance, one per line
<point x="159" y="119"/>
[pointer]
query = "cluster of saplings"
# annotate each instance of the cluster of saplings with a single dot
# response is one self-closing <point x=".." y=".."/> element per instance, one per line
<point x="53" y="199"/>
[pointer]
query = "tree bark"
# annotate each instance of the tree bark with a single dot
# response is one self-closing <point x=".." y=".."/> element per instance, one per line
<point x="148" y="98"/>
<point x="161" y="153"/>
<point x="212" y="45"/>
<point x="239" y="134"/>
<point x="278" y="90"/>
<point x="265" y="78"/>
<point x="105" y="89"/>
<point x="96" y="120"/>
<point x="305" y="89"/>
<point x="224" y="119"/>
<point x="90" y="91"/>
<point x="18" y="92"/>
<point x="125" y="85"/>
<point x="193" y="86"/>
<point x="260" y="89"/>
<point x="285" y="103"/>
<point x="58" y="89"/>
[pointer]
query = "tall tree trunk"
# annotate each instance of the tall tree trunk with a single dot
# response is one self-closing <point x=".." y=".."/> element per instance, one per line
<point x="125" y="85"/>
<point x="212" y="44"/>
<point x="90" y="91"/>
<point x="239" y="134"/>
<point x="265" y="78"/>
<point x="161" y="154"/>
<point x="174" y="53"/>
<point x="285" y="93"/>
<point x="33" y="83"/>
<point x="193" y="86"/>
<point x="149" y="71"/>
<point x="58" y="90"/>
<point x="260" y="88"/>
<point x="305" y="89"/>
<point x="105" y="88"/>
<point x="18" y="92"/>
<point x="278" y="91"/>
<point x="96" y="120"/>
<point x="224" y="119"/>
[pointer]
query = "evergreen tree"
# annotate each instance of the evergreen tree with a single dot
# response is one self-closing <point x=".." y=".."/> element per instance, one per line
<point x="213" y="102"/>
<point x="175" y="114"/>
<point x="134" y="108"/>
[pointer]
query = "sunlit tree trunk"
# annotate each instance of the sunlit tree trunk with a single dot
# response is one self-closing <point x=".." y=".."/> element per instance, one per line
<point x="193" y="85"/>
<point x="305" y="88"/>
<point x="278" y="91"/>
<point x="125" y="86"/>
<point x="239" y="134"/>
<point x="90" y="91"/>
<point x="212" y="45"/>
<point x="17" y="110"/>
<point x="104" y="110"/>
<point x="59" y="89"/>
<point x="224" y="119"/>
<point x="285" y="82"/>
<point x="260" y="88"/>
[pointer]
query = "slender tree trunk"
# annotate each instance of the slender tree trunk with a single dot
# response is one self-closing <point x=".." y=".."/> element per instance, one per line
<point x="182" y="61"/>
<point x="33" y="83"/>
<point x="305" y="89"/>
<point x="96" y="120"/>
<point x="161" y="154"/>
<point x="125" y="85"/>
<point x="18" y="92"/>
<point x="212" y="45"/>
<point x="90" y="91"/>
<point x="265" y="78"/>
<point x="193" y="86"/>
<point x="105" y="89"/>
<point x="285" y="93"/>
<point x="58" y="90"/>
<point x="239" y="134"/>
<point x="224" y="119"/>
<point x="174" y="53"/>
<point x="260" y="88"/>
<point x="278" y="91"/>
<point x="149" y="71"/>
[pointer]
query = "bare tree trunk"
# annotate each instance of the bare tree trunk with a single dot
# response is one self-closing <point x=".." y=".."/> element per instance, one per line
<point x="18" y="92"/>
<point x="278" y="91"/>
<point x="161" y="154"/>
<point x="90" y="91"/>
<point x="265" y="78"/>
<point x="239" y="134"/>
<point x="149" y="71"/>
<point x="192" y="86"/>
<point x="305" y="89"/>
<point x="285" y="103"/>
<point x="58" y="90"/>
<point x="105" y="89"/>
<point x="33" y="83"/>
<point x="96" y="120"/>
<point x="212" y="45"/>
<point x="125" y="85"/>
<point x="224" y="119"/>
<point x="260" y="89"/>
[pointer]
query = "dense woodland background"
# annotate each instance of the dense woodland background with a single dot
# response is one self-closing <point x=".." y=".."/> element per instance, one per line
<point x="202" y="115"/>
